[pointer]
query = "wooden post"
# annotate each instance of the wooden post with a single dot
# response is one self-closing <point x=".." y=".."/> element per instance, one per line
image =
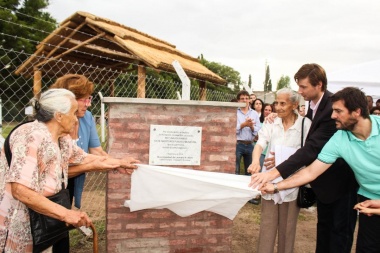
<point x="141" y="81"/>
<point x="37" y="82"/>
<point x="202" y="90"/>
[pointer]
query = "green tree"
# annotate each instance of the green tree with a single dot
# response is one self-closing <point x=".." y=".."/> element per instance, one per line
<point x="284" y="82"/>
<point x="250" y="80"/>
<point x="23" y="25"/>
<point x="268" y="81"/>
<point x="227" y="73"/>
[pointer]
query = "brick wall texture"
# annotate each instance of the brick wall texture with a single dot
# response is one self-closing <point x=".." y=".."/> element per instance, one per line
<point x="162" y="230"/>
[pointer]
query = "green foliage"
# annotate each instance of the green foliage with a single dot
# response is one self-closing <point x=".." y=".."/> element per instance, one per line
<point x="284" y="82"/>
<point x="27" y="24"/>
<point x="24" y="25"/>
<point x="268" y="81"/>
<point x="225" y="72"/>
<point x="249" y="80"/>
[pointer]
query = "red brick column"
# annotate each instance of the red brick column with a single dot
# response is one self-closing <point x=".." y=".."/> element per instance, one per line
<point x="163" y="230"/>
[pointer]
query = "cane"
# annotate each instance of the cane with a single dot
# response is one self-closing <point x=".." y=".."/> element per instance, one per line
<point x="94" y="239"/>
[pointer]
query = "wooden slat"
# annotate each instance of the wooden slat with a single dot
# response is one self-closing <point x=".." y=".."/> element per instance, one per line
<point x="71" y="49"/>
<point x="65" y="40"/>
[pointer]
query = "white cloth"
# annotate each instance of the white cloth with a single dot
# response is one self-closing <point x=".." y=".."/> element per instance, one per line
<point x="274" y="135"/>
<point x="186" y="191"/>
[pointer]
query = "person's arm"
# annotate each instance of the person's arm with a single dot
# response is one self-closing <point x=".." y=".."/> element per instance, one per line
<point x="97" y="151"/>
<point x="93" y="163"/>
<point x="44" y="206"/>
<point x="324" y="129"/>
<point x="255" y="165"/>
<point x="369" y="207"/>
<point x="262" y="143"/>
<point x="302" y="177"/>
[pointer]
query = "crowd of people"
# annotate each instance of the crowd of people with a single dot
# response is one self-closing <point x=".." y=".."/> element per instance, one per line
<point x="332" y="145"/>
<point x="339" y="158"/>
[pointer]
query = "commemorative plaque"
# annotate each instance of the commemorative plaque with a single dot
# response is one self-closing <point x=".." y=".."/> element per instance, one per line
<point x="175" y="145"/>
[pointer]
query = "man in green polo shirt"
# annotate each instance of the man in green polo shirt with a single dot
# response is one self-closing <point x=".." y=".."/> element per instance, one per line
<point x="357" y="141"/>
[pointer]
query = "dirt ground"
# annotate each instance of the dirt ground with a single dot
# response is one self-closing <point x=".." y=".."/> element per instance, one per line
<point x="246" y="227"/>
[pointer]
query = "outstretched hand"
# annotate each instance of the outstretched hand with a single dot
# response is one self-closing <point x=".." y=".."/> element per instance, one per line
<point x="254" y="168"/>
<point x="267" y="188"/>
<point x="368" y="207"/>
<point x="128" y="165"/>
<point x="259" y="179"/>
<point x="270" y="161"/>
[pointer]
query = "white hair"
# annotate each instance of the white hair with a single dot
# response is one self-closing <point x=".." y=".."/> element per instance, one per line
<point x="50" y="102"/>
<point x="294" y="97"/>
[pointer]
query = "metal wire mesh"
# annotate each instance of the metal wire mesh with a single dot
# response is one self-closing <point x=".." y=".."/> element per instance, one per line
<point x="16" y="92"/>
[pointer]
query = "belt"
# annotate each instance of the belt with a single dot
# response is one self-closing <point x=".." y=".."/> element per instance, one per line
<point x="244" y="142"/>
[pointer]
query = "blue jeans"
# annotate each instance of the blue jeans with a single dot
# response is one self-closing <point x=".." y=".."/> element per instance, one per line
<point x="245" y="151"/>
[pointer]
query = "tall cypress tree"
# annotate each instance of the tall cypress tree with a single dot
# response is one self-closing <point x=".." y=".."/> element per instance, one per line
<point x="268" y="81"/>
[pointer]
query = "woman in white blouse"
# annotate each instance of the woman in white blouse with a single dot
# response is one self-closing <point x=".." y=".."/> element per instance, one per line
<point x="279" y="211"/>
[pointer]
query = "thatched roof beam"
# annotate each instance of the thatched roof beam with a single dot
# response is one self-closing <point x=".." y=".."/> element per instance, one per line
<point x="40" y="47"/>
<point x="71" y="49"/>
<point x="65" y="40"/>
<point x="107" y="51"/>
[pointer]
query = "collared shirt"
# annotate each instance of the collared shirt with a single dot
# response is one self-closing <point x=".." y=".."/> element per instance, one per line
<point x="88" y="138"/>
<point x="37" y="163"/>
<point x="314" y="107"/>
<point x="274" y="134"/>
<point x="363" y="156"/>
<point x="246" y="134"/>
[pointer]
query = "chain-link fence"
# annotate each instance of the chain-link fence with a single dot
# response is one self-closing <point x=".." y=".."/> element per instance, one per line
<point x="16" y="92"/>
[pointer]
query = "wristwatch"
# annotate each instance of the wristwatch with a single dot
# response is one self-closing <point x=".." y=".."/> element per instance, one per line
<point x="275" y="188"/>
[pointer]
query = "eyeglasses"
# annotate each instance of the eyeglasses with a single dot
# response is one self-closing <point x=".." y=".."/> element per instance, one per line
<point x="86" y="101"/>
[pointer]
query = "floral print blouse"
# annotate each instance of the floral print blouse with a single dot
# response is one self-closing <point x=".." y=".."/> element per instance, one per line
<point x="37" y="163"/>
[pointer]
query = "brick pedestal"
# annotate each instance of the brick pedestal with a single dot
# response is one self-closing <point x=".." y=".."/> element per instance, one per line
<point x="162" y="230"/>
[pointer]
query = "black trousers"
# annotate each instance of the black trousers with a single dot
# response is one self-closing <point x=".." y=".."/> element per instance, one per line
<point x="368" y="233"/>
<point x="336" y="224"/>
<point x="63" y="246"/>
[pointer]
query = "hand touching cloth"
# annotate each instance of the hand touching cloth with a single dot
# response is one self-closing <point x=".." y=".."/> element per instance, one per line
<point x="281" y="154"/>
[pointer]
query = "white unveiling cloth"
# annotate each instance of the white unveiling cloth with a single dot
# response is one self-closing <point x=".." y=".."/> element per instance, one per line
<point x="186" y="191"/>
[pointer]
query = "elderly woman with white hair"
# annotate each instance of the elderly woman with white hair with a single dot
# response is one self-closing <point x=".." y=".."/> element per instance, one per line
<point x="41" y="152"/>
<point x="279" y="211"/>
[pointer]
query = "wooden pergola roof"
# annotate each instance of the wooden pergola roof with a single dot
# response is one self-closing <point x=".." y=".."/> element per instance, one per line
<point x="82" y="36"/>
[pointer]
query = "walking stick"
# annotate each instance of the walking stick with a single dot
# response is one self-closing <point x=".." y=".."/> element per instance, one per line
<point x="94" y="239"/>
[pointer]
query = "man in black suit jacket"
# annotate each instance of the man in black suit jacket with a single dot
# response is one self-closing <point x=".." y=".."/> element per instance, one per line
<point x="335" y="188"/>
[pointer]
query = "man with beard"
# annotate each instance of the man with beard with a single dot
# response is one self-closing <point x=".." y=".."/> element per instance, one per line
<point x="357" y="142"/>
<point x="336" y="188"/>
